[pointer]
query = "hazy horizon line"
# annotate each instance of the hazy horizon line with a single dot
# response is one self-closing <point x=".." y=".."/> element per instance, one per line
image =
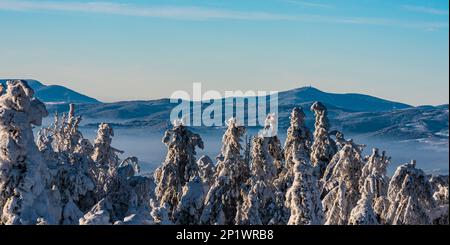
<point x="117" y="100"/>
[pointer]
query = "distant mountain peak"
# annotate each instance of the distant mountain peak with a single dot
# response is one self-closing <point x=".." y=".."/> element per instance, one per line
<point x="347" y="101"/>
<point x="56" y="94"/>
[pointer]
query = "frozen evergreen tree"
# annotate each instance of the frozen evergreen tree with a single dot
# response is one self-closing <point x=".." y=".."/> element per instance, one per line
<point x="231" y="175"/>
<point x="303" y="197"/>
<point x="190" y="206"/>
<point x="160" y="213"/>
<point x="375" y="171"/>
<point x="262" y="167"/>
<point x="215" y="203"/>
<point x="341" y="186"/>
<point x="104" y="154"/>
<point x="179" y="166"/>
<point x="411" y="197"/>
<point x="25" y="195"/>
<point x="67" y="155"/>
<point x="127" y="197"/>
<point x="105" y="157"/>
<point x="298" y="139"/>
<point x="230" y="157"/>
<point x="98" y="215"/>
<point x="363" y="213"/>
<point x="323" y="148"/>
<point x="206" y="171"/>
<point x="259" y="203"/>
<point x="251" y="209"/>
<point x="440" y="188"/>
<point x="297" y="143"/>
<point x="440" y="215"/>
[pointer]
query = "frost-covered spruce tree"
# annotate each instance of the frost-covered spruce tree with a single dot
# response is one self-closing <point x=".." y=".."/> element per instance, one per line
<point x="250" y="211"/>
<point x="297" y="143"/>
<point x="341" y="187"/>
<point x="298" y="139"/>
<point x="303" y="197"/>
<point x="190" y="206"/>
<point x="363" y="213"/>
<point x="230" y="156"/>
<point x="126" y="200"/>
<point x="375" y="170"/>
<point x="440" y="215"/>
<point x="104" y="154"/>
<point x="105" y="157"/>
<point x="67" y="155"/>
<point x="262" y="167"/>
<point x="259" y="203"/>
<point x="179" y="167"/>
<point x="231" y="175"/>
<point x="206" y="171"/>
<point x="25" y="197"/>
<point x="323" y="148"/>
<point x="160" y="213"/>
<point x="411" y="197"/>
<point x="440" y="185"/>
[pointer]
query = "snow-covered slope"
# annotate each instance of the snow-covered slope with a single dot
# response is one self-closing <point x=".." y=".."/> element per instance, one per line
<point x="352" y="113"/>
<point x="55" y="93"/>
<point x="349" y="101"/>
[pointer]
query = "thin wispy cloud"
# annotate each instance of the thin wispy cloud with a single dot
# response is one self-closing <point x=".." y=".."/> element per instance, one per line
<point x="172" y="12"/>
<point x="202" y="13"/>
<point x="309" y="4"/>
<point x="425" y="10"/>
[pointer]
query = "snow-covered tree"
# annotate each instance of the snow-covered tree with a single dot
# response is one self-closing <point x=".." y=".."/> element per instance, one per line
<point x="160" y="213"/>
<point x="249" y="212"/>
<point x="411" y="197"/>
<point x="190" y="206"/>
<point x="231" y="156"/>
<point x="67" y="155"/>
<point x="216" y="201"/>
<point x="262" y="167"/>
<point x="206" y="171"/>
<point x="231" y="175"/>
<point x="104" y="154"/>
<point x="363" y="213"/>
<point x="323" y="148"/>
<point x="25" y="197"/>
<point x="127" y="198"/>
<point x="440" y="215"/>
<point x="440" y="188"/>
<point x="341" y="186"/>
<point x="303" y="197"/>
<point x="105" y="157"/>
<point x="375" y="171"/>
<point x="298" y="139"/>
<point x="259" y="203"/>
<point x="297" y="143"/>
<point x="179" y="167"/>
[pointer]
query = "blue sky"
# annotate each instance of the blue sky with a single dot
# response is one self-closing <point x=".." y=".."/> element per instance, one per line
<point x="122" y="50"/>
